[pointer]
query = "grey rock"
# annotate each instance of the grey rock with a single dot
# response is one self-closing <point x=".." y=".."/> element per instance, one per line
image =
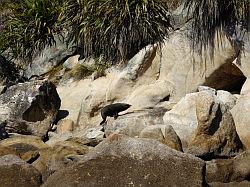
<point x="17" y="173"/>
<point x="29" y="108"/>
<point x="206" y="88"/>
<point x="164" y="134"/>
<point x="216" y="133"/>
<point x="132" y="123"/>
<point x="205" y="126"/>
<point x="44" y="61"/>
<point x="229" y="170"/>
<point x="227" y="98"/>
<point x="124" y="161"/>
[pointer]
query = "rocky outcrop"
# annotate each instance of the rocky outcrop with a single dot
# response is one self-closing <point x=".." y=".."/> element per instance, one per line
<point x="90" y="137"/>
<point x="141" y="162"/>
<point x="164" y="134"/>
<point x="204" y="125"/>
<point x="54" y="158"/>
<point x="44" y="61"/>
<point x="16" y="172"/>
<point x="131" y="124"/>
<point x="26" y="147"/>
<point x="229" y="170"/>
<point x="241" y="117"/>
<point x="65" y="125"/>
<point x="30" y="108"/>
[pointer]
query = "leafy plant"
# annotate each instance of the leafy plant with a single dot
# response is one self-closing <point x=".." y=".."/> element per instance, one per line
<point x="212" y="15"/>
<point x="117" y="29"/>
<point x="30" y="26"/>
<point x="81" y="71"/>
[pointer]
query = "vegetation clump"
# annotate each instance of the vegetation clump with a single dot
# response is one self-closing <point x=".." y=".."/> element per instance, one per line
<point x="31" y="25"/>
<point x="112" y="29"/>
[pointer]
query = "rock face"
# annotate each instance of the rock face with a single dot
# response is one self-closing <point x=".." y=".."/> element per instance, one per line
<point x="54" y="158"/>
<point x="16" y="172"/>
<point x="131" y="124"/>
<point x="29" y="108"/>
<point x="150" y="79"/>
<point x="26" y="147"/>
<point x="241" y="117"/>
<point x="65" y="125"/>
<point x="204" y="125"/>
<point x="141" y="162"/>
<point x="164" y="134"/>
<point x="229" y="170"/>
<point x="48" y="58"/>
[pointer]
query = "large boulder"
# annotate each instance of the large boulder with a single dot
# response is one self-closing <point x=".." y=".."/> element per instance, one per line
<point x="131" y="124"/>
<point x="164" y="134"/>
<point x="186" y="68"/>
<point x="30" y="108"/>
<point x="91" y="137"/>
<point x="124" y="161"/>
<point x="204" y="125"/>
<point x="17" y="173"/>
<point x="26" y="147"/>
<point x="241" y="117"/>
<point x="45" y="60"/>
<point x="54" y="158"/>
<point x="229" y="170"/>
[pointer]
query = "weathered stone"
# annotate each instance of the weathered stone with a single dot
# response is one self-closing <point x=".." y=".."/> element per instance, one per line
<point x="183" y="118"/>
<point x="187" y="69"/>
<point x="241" y="117"/>
<point x="219" y="170"/>
<point x="55" y="158"/>
<point x="227" y="98"/>
<point x="7" y="150"/>
<point x="242" y="166"/>
<point x="131" y="124"/>
<point x="16" y="172"/>
<point x="46" y="59"/>
<point x="216" y="133"/>
<point x="231" y="184"/>
<point x="124" y="161"/>
<point x="29" y="108"/>
<point x="204" y="125"/>
<point x="71" y="62"/>
<point x="206" y="88"/>
<point x="229" y="170"/>
<point x="91" y="137"/>
<point x="164" y="134"/>
<point x="65" y="125"/>
<point x="25" y="147"/>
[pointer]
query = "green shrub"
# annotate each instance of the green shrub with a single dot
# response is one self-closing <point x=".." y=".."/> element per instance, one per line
<point x="212" y="15"/>
<point x="81" y="71"/>
<point x="117" y="29"/>
<point x="30" y="26"/>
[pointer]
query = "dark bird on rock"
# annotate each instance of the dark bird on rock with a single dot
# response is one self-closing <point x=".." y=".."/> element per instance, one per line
<point x="113" y="110"/>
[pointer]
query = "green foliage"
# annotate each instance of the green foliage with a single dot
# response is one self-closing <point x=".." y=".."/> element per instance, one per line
<point x="117" y="29"/>
<point x="81" y="71"/>
<point x="30" y="26"/>
<point x="212" y="15"/>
